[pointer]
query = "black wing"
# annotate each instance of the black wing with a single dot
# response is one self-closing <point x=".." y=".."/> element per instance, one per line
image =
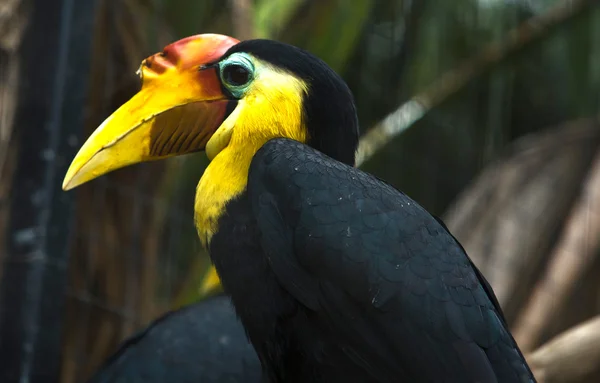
<point x="391" y="280"/>
<point x="203" y="342"/>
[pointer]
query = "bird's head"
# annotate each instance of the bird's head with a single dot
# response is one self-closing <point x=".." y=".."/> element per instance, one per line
<point x="209" y="92"/>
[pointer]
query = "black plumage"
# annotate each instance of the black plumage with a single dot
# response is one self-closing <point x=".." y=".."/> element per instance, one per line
<point x="362" y="284"/>
<point x="203" y="342"/>
<point x="337" y="276"/>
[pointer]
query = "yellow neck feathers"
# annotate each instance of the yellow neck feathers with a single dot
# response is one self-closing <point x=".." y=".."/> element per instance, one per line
<point x="270" y="108"/>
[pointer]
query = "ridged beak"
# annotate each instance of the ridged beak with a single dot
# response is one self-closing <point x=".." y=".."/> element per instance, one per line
<point x="177" y="110"/>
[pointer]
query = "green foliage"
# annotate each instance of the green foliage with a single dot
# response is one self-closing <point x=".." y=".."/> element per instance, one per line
<point x="271" y="16"/>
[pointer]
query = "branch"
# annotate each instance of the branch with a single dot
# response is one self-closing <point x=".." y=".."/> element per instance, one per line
<point x="572" y="356"/>
<point x="572" y="256"/>
<point x="14" y="16"/>
<point x="497" y="217"/>
<point x="453" y="81"/>
<point x="13" y="20"/>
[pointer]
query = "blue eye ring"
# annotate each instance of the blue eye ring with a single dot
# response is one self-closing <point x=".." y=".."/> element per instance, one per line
<point x="237" y="72"/>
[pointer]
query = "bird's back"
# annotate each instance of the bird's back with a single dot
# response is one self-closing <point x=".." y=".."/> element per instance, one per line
<point x="383" y="276"/>
<point x="203" y="342"/>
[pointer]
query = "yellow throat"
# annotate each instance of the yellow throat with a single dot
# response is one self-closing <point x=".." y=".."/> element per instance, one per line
<point x="271" y="108"/>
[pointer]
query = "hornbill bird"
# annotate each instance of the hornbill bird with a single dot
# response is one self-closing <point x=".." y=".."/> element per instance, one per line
<point x="202" y="342"/>
<point x="335" y="274"/>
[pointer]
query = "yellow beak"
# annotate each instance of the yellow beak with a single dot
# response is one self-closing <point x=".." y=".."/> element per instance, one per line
<point x="176" y="112"/>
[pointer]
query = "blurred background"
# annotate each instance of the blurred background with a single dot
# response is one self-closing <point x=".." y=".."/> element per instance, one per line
<point x="483" y="111"/>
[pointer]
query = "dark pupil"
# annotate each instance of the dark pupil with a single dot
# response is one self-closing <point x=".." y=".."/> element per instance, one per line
<point x="236" y="75"/>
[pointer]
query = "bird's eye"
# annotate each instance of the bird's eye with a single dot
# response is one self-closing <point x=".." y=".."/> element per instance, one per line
<point x="236" y="75"/>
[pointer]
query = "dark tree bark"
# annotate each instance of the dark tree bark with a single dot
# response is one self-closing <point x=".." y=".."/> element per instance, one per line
<point x="48" y="110"/>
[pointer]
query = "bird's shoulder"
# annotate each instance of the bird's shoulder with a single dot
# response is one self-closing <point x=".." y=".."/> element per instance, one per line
<point x="339" y="237"/>
<point x="359" y="218"/>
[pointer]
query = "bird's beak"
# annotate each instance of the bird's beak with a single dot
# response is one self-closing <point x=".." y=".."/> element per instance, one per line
<point x="179" y="107"/>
